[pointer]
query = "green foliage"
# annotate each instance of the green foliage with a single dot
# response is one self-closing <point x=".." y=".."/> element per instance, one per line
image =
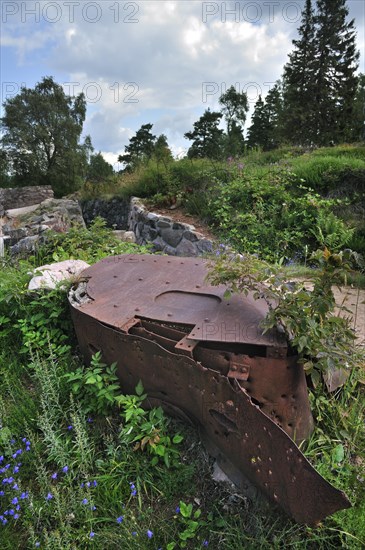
<point x="89" y="244"/>
<point x="323" y="340"/>
<point x="326" y="172"/>
<point x="42" y="130"/>
<point x="257" y="212"/>
<point x="320" y="81"/>
<point x="147" y="429"/>
<point x="206" y="136"/>
<point x="95" y="386"/>
<point x="98" y="169"/>
<point x="140" y="148"/>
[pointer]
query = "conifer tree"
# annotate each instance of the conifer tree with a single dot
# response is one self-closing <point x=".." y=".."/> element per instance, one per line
<point x="320" y="79"/>
<point x="336" y="80"/>
<point x="299" y="82"/>
<point x="257" y="130"/>
<point x="265" y="130"/>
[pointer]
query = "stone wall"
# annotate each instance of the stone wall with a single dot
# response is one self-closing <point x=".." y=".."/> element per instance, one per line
<point x="19" y="197"/>
<point x="167" y="236"/>
<point x="115" y="211"/>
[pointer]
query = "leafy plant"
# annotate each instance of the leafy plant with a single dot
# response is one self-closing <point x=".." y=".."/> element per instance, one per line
<point x="147" y="429"/>
<point x="323" y="340"/>
<point x="96" y="386"/>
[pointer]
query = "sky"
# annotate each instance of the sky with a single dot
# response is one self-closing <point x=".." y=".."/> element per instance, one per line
<point x="150" y="61"/>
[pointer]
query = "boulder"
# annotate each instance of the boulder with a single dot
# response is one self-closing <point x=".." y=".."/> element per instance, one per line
<point x="49" y="276"/>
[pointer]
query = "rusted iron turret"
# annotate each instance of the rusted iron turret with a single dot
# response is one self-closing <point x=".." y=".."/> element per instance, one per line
<point x="206" y="358"/>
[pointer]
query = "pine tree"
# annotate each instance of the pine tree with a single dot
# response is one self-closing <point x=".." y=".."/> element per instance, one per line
<point x="266" y="128"/>
<point x="140" y="148"/>
<point x="358" y="131"/>
<point x="258" y="130"/>
<point x="320" y="79"/>
<point x="299" y="83"/>
<point x="273" y="111"/>
<point x="336" y="80"/>
<point x="206" y="136"/>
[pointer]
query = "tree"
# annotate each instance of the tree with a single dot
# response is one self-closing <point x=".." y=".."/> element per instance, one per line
<point x="140" y="148"/>
<point x="266" y="128"/>
<point x="206" y="136"/>
<point x="258" y="128"/>
<point x="337" y="63"/>
<point x="99" y="169"/>
<point x="358" y="131"/>
<point x="299" y="82"/>
<point x="273" y="113"/>
<point x="162" y="151"/>
<point x="235" y="107"/>
<point x="320" y="79"/>
<point x="42" y="127"/>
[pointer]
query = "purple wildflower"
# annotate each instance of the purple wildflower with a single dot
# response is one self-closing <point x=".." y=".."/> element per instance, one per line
<point x="149" y="534"/>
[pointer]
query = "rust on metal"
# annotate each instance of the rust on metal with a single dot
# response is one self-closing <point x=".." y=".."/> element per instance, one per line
<point x="207" y="359"/>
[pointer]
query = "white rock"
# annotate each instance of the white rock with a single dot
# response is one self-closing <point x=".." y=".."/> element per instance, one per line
<point x="129" y="237"/>
<point x="48" y="276"/>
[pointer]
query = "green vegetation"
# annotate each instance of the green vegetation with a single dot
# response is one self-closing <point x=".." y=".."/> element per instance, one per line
<point x="82" y="466"/>
<point x="272" y="203"/>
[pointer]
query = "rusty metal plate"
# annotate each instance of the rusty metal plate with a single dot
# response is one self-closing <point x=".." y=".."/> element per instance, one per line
<point x="253" y="444"/>
<point x="248" y="403"/>
<point x="175" y="290"/>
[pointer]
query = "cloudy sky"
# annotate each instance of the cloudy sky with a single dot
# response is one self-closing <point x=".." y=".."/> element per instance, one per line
<point x="157" y="61"/>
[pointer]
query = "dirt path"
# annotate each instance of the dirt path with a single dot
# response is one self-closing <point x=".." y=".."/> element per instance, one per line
<point x="354" y="300"/>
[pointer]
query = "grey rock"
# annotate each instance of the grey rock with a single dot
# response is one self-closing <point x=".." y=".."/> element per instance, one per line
<point x="186" y="248"/>
<point x="171" y="236"/>
<point x="158" y="244"/>
<point x="192" y="236"/>
<point x="151" y="216"/>
<point x="204" y="245"/>
<point x="170" y="250"/>
<point x="25" y="246"/>
<point x="163" y="223"/>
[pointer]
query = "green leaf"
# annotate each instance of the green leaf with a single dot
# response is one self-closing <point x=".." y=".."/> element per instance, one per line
<point x="338" y="454"/>
<point x="185" y="509"/>
<point x="177" y="439"/>
<point x="139" y="388"/>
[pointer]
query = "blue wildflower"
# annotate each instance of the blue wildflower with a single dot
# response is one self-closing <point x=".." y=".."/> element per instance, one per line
<point x="149" y="534"/>
<point x="70" y="427"/>
<point x="49" y="496"/>
<point x="120" y="519"/>
<point x="65" y="469"/>
<point x="54" y="476"/>
<point x="92" y="534"/>
<point x="85" y="501"/>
